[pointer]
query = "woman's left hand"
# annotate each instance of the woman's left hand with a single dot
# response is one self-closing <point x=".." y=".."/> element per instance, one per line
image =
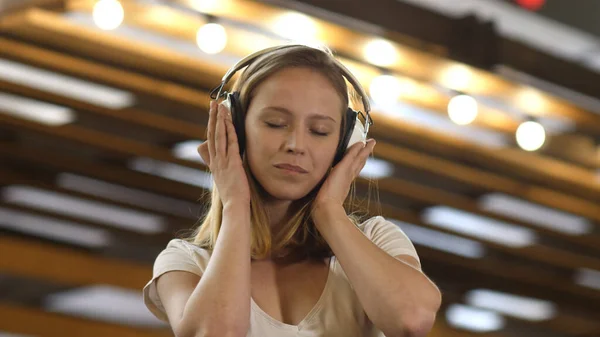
<point x="336" y="187"/>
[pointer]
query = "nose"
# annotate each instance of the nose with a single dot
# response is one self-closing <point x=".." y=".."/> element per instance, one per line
<point x="295" y="141"/>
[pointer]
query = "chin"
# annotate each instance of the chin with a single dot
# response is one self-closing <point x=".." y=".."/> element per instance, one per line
<point x="285" y="191"/>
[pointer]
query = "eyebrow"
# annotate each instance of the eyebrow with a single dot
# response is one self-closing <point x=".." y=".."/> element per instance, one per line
<point x="288" y="112"/>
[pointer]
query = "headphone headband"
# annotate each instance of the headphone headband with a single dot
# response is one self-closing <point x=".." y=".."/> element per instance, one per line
<point x="250" y="58"/>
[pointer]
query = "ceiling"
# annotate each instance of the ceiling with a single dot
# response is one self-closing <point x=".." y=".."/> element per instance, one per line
<point x="88" y="199"/>
<point x="559" y="28"/>
<point x="582" y="15"/>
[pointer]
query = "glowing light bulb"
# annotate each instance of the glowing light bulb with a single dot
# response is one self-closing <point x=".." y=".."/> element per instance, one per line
<point x="297" y="27"/>
<point x="457" y="77"/>
<point x="462" y="109"/>
<point x="385" y="89"/>
<point x="530" y="136"/>
<point x="108" y="14"/>
<point x="531" y="100"/>
<point x="380" y="53"/>
<point x="204" y="5"/>
<point x="211" y="38"/>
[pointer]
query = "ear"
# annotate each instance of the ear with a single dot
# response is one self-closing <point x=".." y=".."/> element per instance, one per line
<point x="204" y="154"/>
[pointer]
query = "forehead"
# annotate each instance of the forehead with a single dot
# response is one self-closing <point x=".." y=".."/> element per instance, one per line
<point x="302" y="91"/>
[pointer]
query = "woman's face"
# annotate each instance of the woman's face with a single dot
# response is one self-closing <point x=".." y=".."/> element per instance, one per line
<point x="292" y="131"/>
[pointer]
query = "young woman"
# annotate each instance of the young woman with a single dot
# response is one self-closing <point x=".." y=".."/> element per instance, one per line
<point x="279" y="252"/>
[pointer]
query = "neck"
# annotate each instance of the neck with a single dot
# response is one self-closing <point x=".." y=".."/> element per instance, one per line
<point x="278" y="212"/>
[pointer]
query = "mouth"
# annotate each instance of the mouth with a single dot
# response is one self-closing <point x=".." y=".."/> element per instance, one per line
<point x="290" y="168"/>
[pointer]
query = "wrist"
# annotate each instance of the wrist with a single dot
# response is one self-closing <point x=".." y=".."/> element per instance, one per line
<point x="323" y="211"/>
<point x="236" y="207"/>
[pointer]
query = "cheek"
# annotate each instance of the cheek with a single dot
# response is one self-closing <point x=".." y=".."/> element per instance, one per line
<point x="260" y="146"/>
<point x="324" y="157"/>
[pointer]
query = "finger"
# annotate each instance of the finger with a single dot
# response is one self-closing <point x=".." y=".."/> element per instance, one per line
<point x="232" y="140"/>
<point x="210" y="134"/>
<point x="204" y="154"/>
<point x="369" y="146"/>
<point x="220" y="133"/>
<point x="350" y="155"/>
<point x="363" y="155"/>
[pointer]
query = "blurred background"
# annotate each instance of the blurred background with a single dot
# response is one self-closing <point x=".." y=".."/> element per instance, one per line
<point x="486" y="117"/>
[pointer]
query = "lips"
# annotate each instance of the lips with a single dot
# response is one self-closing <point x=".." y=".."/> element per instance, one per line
<point x="291" y="168"/>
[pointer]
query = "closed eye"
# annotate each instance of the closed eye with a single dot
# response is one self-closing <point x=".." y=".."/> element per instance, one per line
<point x="275" y="126"/>
<point x="321" y="134"/>
<point x="280" y="126"/>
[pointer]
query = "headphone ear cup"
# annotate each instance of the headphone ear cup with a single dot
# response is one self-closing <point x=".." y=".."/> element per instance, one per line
<point x="358" y="134"/>
<point x="347" y="133"/>
<point x="238" y="116"/>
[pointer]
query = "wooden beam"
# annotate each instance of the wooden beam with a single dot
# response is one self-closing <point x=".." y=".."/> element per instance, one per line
<point x="525" y="58"/>
<point x="120" y="145"/>
<point x="100" y="73"/>
<point x="480" y="178"/>
<point x="537" y="252"/>
<point x="8" y="177"/>
<point x="457" y="272"/>
<point x="19" y="319"/>
<point x="9" y="7"/>
<point x="153" y="121"/>
<point x="44" y="27"/>
<point x="108" y="173"/>
<point x="528" y="276"/>
<point x="434" y="196"/>
<point x="69" y="267"/>
<point x="125" y="235"/>
<point x="125" y="115"/>
<point x="524" y="166"/>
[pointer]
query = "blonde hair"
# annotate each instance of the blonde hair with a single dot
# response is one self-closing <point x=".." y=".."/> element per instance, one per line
<point x="299" y="234"/>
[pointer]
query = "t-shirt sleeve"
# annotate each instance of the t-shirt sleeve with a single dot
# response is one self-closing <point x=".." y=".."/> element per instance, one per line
<point x="389" y="237"/>
<point x="179" y="256"/>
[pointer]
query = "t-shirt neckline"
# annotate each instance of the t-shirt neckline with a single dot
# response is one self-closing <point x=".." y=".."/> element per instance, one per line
<point x="316" y="308"/>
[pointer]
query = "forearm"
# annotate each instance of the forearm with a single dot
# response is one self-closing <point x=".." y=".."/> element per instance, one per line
<point x="221" y="301"/>
<point x="393" y="294"/>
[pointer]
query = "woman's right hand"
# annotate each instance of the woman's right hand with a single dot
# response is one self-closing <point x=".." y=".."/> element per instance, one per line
<point x="221" y="153"/>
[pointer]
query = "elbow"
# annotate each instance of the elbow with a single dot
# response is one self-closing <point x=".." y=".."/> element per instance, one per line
<point x="420" y="326"/>
<point x="417" y="324"/>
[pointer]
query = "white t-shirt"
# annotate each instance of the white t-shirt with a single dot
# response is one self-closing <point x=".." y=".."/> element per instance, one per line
<point x="338" y="311"/>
